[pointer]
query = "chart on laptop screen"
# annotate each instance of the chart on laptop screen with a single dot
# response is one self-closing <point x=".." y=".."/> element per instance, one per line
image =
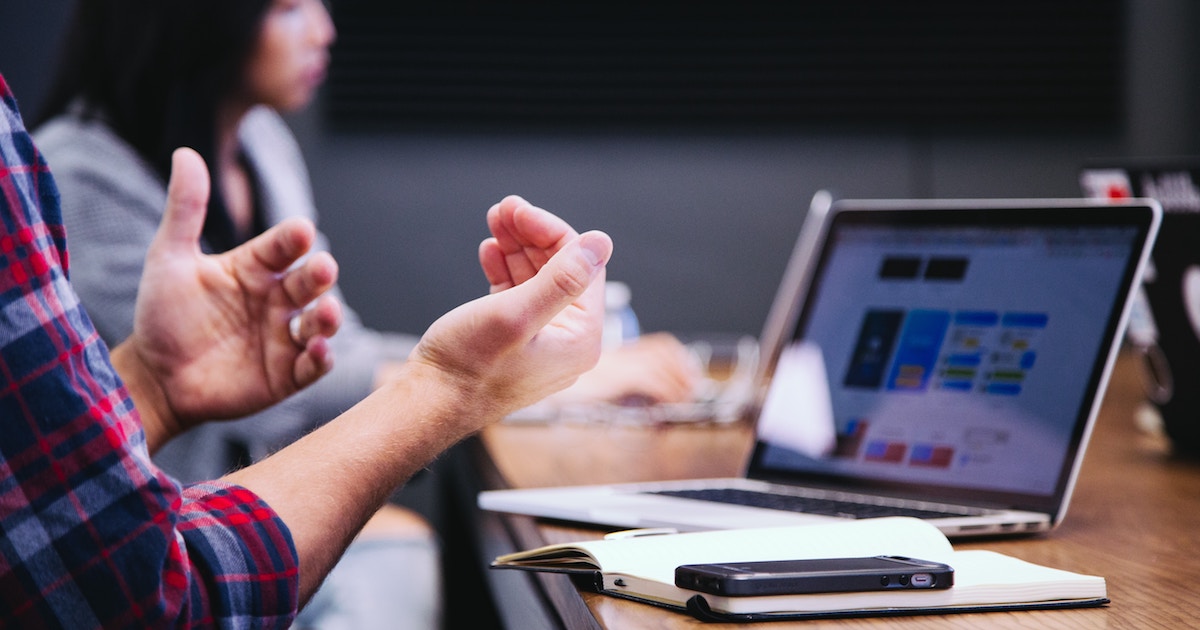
<point x="951" y="352"/>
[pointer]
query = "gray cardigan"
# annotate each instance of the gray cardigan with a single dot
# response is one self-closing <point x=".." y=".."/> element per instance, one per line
<point x="112" y="201"/>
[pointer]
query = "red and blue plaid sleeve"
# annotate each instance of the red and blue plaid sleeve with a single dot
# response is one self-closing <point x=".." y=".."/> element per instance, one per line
<point x="92" y="534"/>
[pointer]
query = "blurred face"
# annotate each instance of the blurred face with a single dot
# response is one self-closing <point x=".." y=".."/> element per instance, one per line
<point x="292" y="53"/>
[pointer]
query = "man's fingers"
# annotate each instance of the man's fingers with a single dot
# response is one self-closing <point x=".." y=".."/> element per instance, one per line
<point x="187" y="200"/>
<point x="536" y="228"/>
<point x="495" y="268"/>
<point x="322" y="319"/>
<point x="565" y="278"/>
<point x="314" y="362"/>
<point x="311" y="279"/>
<point x="283" y="244"/>
<point x="517" y="224"/>
<point x="310" y="331"/>
<point x="525" y="236"/>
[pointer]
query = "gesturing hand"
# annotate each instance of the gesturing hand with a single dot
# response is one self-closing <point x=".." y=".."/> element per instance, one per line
<point x="211" y="333"/>
<point x="540" y="328"/>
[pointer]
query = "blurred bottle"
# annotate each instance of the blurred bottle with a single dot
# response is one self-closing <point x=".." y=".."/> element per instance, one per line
<point x="620" y="322"/>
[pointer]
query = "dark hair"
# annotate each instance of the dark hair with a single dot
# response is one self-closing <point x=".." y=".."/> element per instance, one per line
<point x="156" y="71"/>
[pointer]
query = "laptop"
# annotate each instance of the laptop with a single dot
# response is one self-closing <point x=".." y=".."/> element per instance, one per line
<point x="951" y="358"/>
<point x="1164" y="324"/>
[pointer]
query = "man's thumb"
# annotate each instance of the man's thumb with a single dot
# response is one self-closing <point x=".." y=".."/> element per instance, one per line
<point x="567" y="278"/>
<point x="187" y="200"/>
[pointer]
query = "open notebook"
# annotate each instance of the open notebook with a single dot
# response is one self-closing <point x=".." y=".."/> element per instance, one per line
<point x="938" y="359"/>
<point x="642" y="568"/>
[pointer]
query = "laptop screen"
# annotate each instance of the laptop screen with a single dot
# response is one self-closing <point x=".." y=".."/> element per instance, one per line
<point x="961" y="350"/>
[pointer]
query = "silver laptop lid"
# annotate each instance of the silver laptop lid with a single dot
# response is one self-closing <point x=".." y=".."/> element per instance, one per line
<point x="962" y="346"/>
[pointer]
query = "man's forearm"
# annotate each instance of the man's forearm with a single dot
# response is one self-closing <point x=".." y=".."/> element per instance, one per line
<point x="326" y="485"/>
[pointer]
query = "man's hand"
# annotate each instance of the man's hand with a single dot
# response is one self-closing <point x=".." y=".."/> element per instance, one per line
<point x="656" y="368"/>
<point x="211" y="335"/>
<point x="540" y="328"/>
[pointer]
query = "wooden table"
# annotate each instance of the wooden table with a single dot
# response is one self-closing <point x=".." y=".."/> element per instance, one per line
<point x="1134" y="519"/>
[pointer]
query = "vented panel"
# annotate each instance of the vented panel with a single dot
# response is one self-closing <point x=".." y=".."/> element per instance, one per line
<point x="792" y="62"/>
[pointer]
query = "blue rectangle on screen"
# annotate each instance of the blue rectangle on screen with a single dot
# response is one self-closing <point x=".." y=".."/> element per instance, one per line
<point x="973" y="359"/>
<point x="918" y="350"/>
<point x="976" y="318"/>
<point x="1004" y="389"/>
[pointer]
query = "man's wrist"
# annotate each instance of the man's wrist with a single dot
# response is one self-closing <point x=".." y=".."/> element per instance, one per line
<point x="455" y="398"/>
<point x="158" y="420"/>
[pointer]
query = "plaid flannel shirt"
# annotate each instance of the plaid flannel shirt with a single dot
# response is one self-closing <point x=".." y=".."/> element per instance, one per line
<point x="92" y="534"/>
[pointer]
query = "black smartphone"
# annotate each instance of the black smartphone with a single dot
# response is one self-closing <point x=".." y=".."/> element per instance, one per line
<point x="828" y="575"/>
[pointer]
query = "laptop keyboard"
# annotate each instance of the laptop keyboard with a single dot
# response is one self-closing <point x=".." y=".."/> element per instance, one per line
<point x="808" y="505"/>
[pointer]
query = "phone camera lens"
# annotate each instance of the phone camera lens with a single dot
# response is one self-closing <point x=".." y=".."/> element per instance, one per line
<point x="904" y="580"/>
<point x="884" y="580"/>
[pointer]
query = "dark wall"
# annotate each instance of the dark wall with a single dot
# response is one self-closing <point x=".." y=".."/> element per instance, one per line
<point x="703" y="220"/>
<point x="28" y="40"/>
